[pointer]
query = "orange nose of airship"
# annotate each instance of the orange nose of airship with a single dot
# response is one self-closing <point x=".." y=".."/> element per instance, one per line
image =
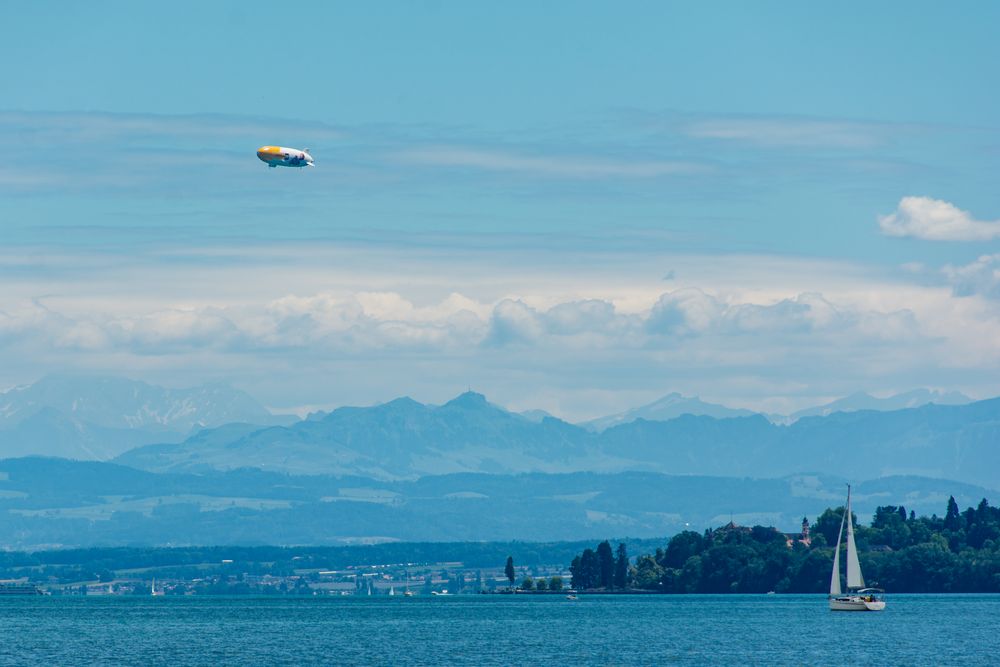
<point x="269" y="153"/>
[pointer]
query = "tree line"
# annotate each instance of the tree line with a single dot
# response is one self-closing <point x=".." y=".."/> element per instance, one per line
<point x="601" y="568"/>
<point x="903" y="553"/>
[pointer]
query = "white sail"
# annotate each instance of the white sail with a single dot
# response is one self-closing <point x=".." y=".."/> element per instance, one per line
<point x="835" y="577"/>
<point x="854" y="578"/>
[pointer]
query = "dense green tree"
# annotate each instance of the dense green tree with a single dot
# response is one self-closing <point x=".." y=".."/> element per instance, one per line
<point x="541" y="584"/>
<point x="590" y="569"/>
<point x="984" y="526"/>
<point x="682" y="546"/>
<point x="555" y="583"/>
<point x="576" y="572"/>
<point x="828" y="524"/>
<point x="690" y="576"/>
<point x="811" y="574"/>
<point x="508" y="570"/>
<point x="606" y="565"/>
<point x="621" y="567"/>
<point x="952" y="518"/>
<point x="723" y="568"/>
<point x="889" y="527"/>
<point x="527" y="584"/>
<point x="648" y="573"/>
<point x="768" y="535"/>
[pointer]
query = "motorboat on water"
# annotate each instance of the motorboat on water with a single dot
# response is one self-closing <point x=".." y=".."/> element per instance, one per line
<point x="858" y="597"/>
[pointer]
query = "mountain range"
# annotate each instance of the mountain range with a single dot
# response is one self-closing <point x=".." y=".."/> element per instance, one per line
<point x="404" y="439"/>
<point x="210" y="465"/>
<point x="99" y="417"/>
<point x="214" y="427"/>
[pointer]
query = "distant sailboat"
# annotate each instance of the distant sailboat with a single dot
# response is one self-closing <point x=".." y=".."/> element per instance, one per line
<point x="858" y="598"/>
<point x="392" y="591"/>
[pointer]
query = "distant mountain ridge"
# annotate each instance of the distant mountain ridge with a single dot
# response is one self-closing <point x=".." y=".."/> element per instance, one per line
<point x="98" y="417"/>
<point x="862" y="401"/>
<point x="217" y="428"/>
<point x="675" y="405"/>
<point x="401" y="438"/>
<point x="116" y="402"/>
<point x="669" y="407"/>
<point x="406" y="439"/>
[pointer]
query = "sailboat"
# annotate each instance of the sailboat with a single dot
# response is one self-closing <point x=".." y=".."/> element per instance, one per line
<point x="857" y="598"/>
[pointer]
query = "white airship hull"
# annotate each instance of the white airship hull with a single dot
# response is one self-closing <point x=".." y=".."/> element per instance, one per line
<point x="279" y="156"/>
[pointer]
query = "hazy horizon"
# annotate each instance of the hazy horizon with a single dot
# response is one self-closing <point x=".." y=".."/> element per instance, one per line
<point x="304" y="410"/>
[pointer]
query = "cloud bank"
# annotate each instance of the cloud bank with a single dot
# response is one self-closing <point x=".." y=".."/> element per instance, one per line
<point x="298" y="327"/>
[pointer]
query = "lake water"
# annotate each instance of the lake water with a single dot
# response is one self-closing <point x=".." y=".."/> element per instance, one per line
<point x="498" y="630"/>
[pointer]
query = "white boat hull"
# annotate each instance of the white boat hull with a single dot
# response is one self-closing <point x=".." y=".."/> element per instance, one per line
<point x="856" y="603"/>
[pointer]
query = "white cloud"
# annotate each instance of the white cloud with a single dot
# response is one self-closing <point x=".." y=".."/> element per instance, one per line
<point x="684" y="312"/>
<point x="980" y="277"/>
<point x="580" y="316"/>
<point x="936" y="220"/>
<point x="514" y="321"/>
<point x="563" y="166"/>
<point x="162" y="331"/>
<point x="693" y="312"/>
<point x="51" y="128"/>
<point x="789" y="132"/>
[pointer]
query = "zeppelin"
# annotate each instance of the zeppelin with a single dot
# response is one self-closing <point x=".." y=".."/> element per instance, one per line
<point x="279" y="156"/>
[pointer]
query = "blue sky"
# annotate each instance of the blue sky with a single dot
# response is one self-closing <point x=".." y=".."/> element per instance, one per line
<point x="574" y="206"/>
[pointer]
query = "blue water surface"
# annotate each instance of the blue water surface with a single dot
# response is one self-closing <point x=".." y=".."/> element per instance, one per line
<point x="498" y="630"/>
